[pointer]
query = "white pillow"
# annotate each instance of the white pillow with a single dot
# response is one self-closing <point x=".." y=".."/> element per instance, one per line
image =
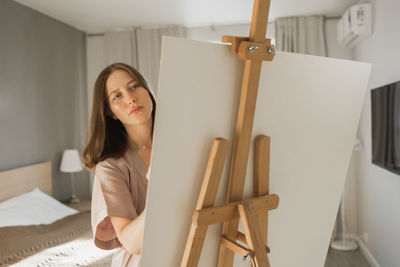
<point x="34" y="207"/>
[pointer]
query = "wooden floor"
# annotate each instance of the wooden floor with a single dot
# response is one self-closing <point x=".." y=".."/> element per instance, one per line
<point x="337" y="258"/>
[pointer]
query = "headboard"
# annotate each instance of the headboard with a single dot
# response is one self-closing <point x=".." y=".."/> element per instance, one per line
<point x="21" y="180"/>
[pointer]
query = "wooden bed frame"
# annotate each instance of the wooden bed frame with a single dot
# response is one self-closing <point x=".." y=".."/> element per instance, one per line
<point x="21" y="180"/>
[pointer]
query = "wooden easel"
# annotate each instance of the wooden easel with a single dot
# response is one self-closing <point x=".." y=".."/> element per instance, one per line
<point x="252" y="212"/>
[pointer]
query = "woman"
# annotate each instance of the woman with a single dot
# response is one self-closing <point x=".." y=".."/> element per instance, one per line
<point x="119" y="150"/>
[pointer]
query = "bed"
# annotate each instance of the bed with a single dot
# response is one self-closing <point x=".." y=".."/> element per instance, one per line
<point x="25" y="240"/>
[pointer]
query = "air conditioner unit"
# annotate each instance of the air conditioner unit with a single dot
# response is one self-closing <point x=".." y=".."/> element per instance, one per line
<point x="355" y="25"/>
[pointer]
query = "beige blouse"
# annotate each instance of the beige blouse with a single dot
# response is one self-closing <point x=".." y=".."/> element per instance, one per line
<point x="119" y="189"/>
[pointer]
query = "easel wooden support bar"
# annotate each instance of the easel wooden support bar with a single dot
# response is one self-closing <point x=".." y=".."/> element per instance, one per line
<point x="242" y="238"/>
<point x="235" y="247"/>
<point x="244" y="125"/>
<point x="244" y="49"/>
<point x="229" y="211"/>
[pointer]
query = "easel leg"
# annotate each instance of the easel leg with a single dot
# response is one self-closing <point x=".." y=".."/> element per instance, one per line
<point x="252" y="231"/>
<point x="261" y="177"/>
<point x="208" y="192"/>
<point x="194" y="246"/>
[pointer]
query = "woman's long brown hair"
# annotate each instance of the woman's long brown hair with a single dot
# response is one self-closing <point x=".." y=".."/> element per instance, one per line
<point x="107" y="136"/>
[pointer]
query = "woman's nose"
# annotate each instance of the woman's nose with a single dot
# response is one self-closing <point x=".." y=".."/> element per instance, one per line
<point x="131" y="99"/>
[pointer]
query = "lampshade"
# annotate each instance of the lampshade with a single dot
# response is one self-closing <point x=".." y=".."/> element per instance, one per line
<point x="71" y="161"/>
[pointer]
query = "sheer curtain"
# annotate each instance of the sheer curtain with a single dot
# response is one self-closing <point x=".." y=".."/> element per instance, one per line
<point x="121" y="47"/>
<point x="149" y="42"/>
<point x="303" y="34"/>
<point x="141" y="48"/>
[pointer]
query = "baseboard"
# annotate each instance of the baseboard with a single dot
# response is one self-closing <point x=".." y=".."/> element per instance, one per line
<point x="365" y="251"/>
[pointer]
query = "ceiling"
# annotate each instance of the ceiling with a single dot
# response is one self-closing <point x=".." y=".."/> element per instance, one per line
<point x="98" y="16"/>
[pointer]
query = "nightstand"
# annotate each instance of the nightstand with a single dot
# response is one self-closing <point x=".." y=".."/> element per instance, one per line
<point x="84" y="205"/>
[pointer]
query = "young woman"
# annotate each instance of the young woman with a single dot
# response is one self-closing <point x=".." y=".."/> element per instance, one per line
<point x="119" y="150"/>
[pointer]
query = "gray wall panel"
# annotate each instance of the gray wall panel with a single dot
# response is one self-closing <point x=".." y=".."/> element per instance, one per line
<point x="42" y="93"/>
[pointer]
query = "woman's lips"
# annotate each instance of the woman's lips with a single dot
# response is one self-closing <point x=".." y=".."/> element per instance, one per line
<point x="134" y="110"/>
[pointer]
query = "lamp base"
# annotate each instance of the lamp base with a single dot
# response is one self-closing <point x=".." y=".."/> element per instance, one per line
<point x="74" y="200"/>
<point x="344" y="244"/>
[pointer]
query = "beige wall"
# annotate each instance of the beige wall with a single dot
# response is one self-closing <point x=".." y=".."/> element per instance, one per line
<point x="379" y="190"/>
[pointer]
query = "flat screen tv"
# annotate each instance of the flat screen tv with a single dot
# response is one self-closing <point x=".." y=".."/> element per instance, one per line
<point x="385" y="112"/>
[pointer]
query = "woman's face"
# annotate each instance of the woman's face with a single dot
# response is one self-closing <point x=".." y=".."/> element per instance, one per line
<point x="129" y="102"/>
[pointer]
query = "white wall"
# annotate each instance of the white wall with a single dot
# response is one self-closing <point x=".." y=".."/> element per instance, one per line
<point x="214" y="33"/>
<point x="332" y="45"/>
<point x="379" y="190"/>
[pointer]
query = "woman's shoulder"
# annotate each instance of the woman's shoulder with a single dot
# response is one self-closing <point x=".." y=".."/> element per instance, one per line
<point x="121" y="163"/>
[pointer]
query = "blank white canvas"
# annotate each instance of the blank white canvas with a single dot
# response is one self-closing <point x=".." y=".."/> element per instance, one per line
<point x="309" y="106"/>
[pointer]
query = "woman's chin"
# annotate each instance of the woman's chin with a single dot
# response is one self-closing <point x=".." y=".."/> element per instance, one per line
<point x="136" y="121"/>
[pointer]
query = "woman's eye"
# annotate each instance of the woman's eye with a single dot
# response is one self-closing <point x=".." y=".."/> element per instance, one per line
<point x="116" y="97"/>
<point x="134" y="86"/>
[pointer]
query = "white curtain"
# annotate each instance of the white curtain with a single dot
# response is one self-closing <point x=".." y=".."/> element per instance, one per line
<point x="303" y="34"/>
<point x="121" y="47"/>
<point x="149" y="43"/>
<point x="141" y="48"/>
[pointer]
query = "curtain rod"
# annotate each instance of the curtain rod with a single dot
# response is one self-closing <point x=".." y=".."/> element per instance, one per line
<point x="94" y="34"/>
<point x="133" y="28"/>
<point x="213" y="26"/>
<point x="332" y="18"/>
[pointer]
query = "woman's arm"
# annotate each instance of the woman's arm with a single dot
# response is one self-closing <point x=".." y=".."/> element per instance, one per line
<point x="130" y="232"/>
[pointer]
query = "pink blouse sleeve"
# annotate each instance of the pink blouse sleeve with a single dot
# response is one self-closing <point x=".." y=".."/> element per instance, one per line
<point x="111" y="197"/>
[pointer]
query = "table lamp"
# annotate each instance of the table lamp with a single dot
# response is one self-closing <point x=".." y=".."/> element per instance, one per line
<point x="71" y="163"/>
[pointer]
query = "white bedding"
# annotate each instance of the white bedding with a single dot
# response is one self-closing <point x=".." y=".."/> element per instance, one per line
<point x="78" y="252"/>
<point x="34" y="207"/>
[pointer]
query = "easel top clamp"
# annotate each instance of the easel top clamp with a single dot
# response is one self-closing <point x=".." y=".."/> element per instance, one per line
<point x="253" y="212"/>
